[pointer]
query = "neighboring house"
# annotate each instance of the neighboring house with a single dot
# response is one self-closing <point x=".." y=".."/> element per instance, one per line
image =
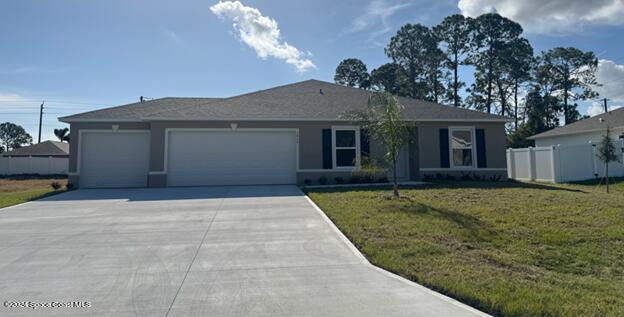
<point x="43" y="149"/>
<point x="48" y="157"/>
<point x="568" y="153"/>
<point x="584" y="131"/>
<point x="282" y="135"/>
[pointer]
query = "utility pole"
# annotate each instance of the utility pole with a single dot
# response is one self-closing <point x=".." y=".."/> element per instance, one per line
<point x="40" y="118"/>
<point x="605" y="105"/>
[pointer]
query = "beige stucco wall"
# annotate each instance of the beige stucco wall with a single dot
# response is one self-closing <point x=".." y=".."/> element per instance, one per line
<point x="424" y="153"/>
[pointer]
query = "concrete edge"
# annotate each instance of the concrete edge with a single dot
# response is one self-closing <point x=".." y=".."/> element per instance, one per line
<point x="344" y="238"/>
<point x="411" y="183"/>
<point x="359" y="254"/>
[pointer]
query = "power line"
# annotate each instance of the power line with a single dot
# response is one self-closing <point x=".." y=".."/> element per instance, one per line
<point x="55" y="101"/>
<point x="34" y="112"/>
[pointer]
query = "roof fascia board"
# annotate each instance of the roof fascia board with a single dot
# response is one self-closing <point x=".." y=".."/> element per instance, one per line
<point x="78" y="120"/>
<point x="70" y="120"/>
<point x="538" y="136"/>
<point x="320" y="119"/>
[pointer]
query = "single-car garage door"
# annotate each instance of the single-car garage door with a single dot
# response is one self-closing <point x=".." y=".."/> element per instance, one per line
<point x="114" y="159"/>
<point x="231" y="157"/>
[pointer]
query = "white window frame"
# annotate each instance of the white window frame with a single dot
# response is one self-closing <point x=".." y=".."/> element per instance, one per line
<point x="356" y="129"/>
<point x="473" y="147"/>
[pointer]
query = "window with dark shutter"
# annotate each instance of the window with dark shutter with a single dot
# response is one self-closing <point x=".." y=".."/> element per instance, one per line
<point x="481" y="154"/>
<point x="364" y="143"/>
<point x="327" y="149"/>
<point x="444" y="149"/>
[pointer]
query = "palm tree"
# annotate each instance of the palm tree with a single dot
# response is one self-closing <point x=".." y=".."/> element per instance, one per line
<point x="62" y="134"/>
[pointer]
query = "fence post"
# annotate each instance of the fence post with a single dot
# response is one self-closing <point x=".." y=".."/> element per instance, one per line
<point x="511" y="168"/>
<point x="554" y="158"/>
<point x="593" y="159"/>
<point x="531" y="164"/>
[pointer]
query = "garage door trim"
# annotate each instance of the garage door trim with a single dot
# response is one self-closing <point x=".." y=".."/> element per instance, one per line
<point x="234" y="130"/>
<point x="80" y="140"/>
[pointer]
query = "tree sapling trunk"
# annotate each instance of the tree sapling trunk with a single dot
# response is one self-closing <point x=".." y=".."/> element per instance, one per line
<point x="607" y="175"/>
<point x="395" y="187"/>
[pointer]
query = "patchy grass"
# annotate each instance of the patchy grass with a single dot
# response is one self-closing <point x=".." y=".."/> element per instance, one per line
<point x="615" y="183"/>
<point x="15" y="191"/>
<point x="510" y="249"/>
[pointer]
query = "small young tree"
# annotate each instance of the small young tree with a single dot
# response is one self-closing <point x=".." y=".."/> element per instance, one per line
<point x="606" y="153"/>
<point x="385" y="124"/>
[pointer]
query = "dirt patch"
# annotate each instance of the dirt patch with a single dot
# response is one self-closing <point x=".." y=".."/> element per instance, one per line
<point x="8" y="185"/>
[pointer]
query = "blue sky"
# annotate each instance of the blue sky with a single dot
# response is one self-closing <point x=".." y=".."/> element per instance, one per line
<point x="83" y="55"/>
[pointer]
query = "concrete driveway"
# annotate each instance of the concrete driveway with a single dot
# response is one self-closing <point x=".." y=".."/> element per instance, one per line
<point x="214" y="251"/>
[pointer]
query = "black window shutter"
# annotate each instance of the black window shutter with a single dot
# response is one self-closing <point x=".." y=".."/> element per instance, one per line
<point x="444" y="148"/>
<point x="327" y="149"/>
<point x="481" y="156"/>
<point x="364" y="143"/>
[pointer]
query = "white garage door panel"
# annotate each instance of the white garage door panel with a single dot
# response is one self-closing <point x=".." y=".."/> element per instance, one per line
<point x="114" y="159"/>
<point x="197" y="158"/>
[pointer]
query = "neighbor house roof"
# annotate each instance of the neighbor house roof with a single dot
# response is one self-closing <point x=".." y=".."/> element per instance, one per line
<point x="303" y="101"/>
<point x="45" y="148"/>
<point x="613" y="119"/>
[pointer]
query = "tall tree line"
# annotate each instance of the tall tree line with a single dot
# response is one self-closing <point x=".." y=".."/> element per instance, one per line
<point x="509" y="79"/>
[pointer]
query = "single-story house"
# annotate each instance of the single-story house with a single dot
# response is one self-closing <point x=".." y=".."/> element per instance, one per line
<point x="283" y="135"/>
<point x="43" y="149"/>
<point x="45" y="158"/>
<point x="584" y="131"/>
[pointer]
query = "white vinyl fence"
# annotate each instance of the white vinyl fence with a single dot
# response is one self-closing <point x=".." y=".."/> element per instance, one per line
<point x="558" y="164"/>
<point x="33" y="165"/>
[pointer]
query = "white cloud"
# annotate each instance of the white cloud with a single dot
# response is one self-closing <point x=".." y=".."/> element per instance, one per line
<point x="261" y="33"/>
<point x="546" y="16"/>
<point x="611" y="76"/>
<point x="597" y="108"/>
<point x="377" y="12"/>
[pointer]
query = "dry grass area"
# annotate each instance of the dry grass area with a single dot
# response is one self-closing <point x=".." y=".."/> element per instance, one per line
<point x="22" y="189"/>
<point x="510" y="249"/>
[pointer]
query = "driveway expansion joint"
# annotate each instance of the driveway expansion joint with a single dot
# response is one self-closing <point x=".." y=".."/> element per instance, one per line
<point x="196" y="253"/>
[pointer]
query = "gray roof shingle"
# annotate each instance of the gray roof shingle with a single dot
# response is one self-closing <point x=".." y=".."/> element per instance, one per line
<point x="136" y="111"/>
<point x="613" y="119"/>
<point x="306" y="100"/>
<point x="45" y="148"/>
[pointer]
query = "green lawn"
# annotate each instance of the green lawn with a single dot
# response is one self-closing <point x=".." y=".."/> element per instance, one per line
<point x="507" y="248"/>
<point x="15" y="191"/>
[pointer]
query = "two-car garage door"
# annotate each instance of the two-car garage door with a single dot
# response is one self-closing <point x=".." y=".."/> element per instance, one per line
<point x="192" y="157"/>
<point x="231" y="157"/>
